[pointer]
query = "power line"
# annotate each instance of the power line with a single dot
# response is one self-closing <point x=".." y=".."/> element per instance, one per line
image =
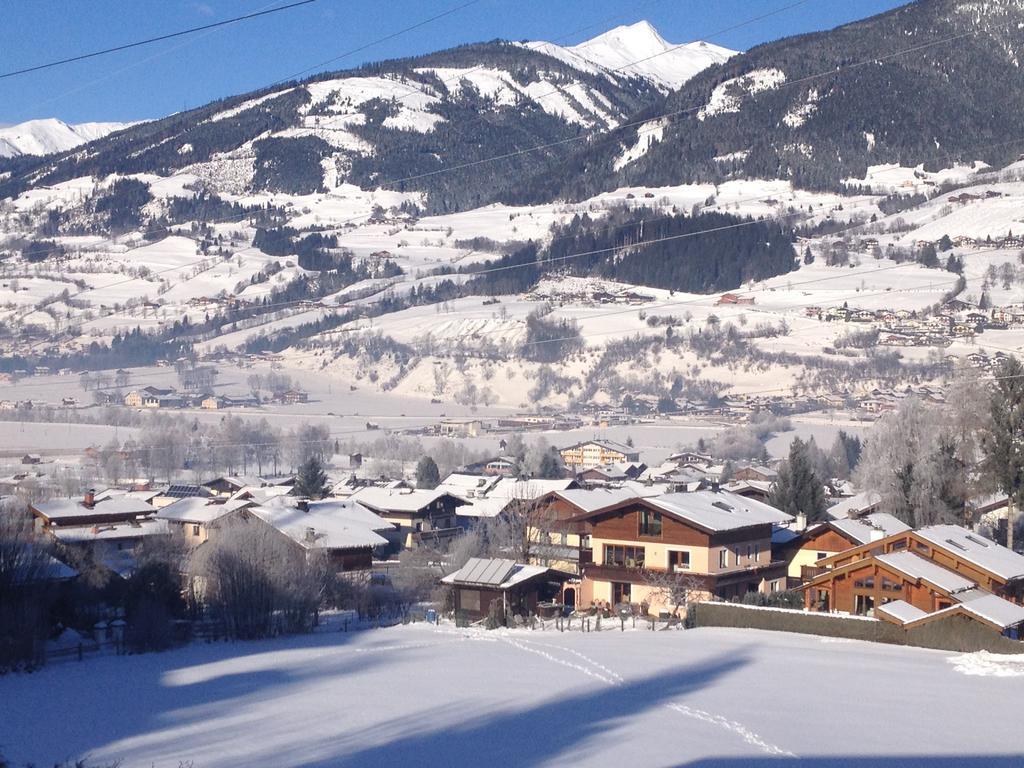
<point x="157" y="39"/>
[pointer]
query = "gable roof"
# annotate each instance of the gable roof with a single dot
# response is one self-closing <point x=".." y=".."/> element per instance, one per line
<point x="194" y="509"/>
<point x="114" y="507"/>
<point x="399" y="499"/>
<point x="718" y="511"/>
<point x="608" y="445"/>
<point x="975" y="549"/>
<point x="325" y="527"/>
<point x="856" y="505"/>
<point x="859" y="530"/>
<point x="917" y="567"/>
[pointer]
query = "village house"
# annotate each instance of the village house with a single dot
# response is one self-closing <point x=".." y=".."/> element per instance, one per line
<point x="597" y="453"/>
<point x="228" y="485"/>
<point x="196" y="518"/>
<point x="89" y="510"/>
<point x="112" y="544"/>
<point x="723" y="541"/>
<point x="755" y="472"/>
<point x="501" y="588"/>
<point x="344" y="531"/>
<point x="734" y="299"/>
<point x="931" y="570"/>
<point x="418" y="516"/>
<point x="148" y="397"/>
<point x="830" y="537"/>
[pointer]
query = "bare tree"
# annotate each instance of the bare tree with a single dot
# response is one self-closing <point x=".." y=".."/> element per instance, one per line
<point x="676" y="589"/>
<point x="257" y="581"/>
<point x="25" y="588"/>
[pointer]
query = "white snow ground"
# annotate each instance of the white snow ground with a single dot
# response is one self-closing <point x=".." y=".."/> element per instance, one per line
<point x="420" y="695"/>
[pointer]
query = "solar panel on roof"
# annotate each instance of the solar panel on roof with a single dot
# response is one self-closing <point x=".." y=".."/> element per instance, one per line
<point x="489" y="571"/>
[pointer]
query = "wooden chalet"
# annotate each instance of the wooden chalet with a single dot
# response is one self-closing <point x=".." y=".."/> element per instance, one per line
<point x="809" y="547"/>
<point x="930" y="570"/>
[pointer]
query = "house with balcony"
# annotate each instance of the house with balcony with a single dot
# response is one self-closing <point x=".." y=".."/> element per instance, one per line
<point x="922" y="573"/>
<point x="417" y="516"/>
<point x="814" y="543"/>
<point x="721" y="540"/>
<point x="598" y="453"/>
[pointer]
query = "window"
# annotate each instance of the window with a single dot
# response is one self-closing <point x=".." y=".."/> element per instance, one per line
<point x="650" y="523"/>
<point x="195" y="530"/>
<point x="723" y="558"/>
<point x="736" y="556"/>
<point x="821" y="556"/>
<point x="630" y="557"/>
<point x="469" y="599"/>
<point x="678" y="561"/>
<point x="750" y="551"/>
<point x="775" y="586"/>
<point x="621" y="593"/>
<point x="757" y="551"/>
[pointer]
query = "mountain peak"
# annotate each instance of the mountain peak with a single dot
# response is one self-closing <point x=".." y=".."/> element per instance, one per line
<point x="47" y="135"/>
<point x="639" y="50"/>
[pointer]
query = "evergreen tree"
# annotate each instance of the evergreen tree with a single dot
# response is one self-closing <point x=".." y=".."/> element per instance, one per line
<point x="311" y="481"/>
<point x="427" y="475"/>
<point x="1003" y="445"/>
<point x="798" y="488"/>
<point x="550" y="466"/>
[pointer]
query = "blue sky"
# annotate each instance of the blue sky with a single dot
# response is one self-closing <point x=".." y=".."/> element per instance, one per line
<point x="155" y="80"/>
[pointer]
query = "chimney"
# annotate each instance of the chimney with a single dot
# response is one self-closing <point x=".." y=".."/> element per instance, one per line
<point x="89" y="501"/>
<point x="715" y="486"/>
<point x="801" y="522"/>
<point x="310" y="535"/>
<point x="303" y="505"/>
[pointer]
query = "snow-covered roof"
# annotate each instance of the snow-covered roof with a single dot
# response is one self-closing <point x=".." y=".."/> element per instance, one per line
<point x="860" y="529"/>
<point x="855" y="505"/>
<point x="901" y="611"/>
<point x="735" y="486"/>
<point x="397" y="499"/>
<point x="460" y="484"/>
<point x="719" y="511"/>
<point x="199" y="510"/>
<point x="352" y="511"/>
<point x="996" y="610"/>
<point x="325" y="527"/>
<point x="510" y="488"/>
<point x="486" y="507"/>
<point x="261" y="494"/>
<point x="608" y="445"/>
<point x="117" y="506"/>
<point x="917" y="567"/>
<point x="975" y="549"/>
<point x="78" y="534"/>
<point x="598" y="498"/>
<point x="497" y="573"/>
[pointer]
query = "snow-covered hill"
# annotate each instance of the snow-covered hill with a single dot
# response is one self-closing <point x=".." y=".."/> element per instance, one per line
<point x="638" y="50"/>
<point x="45" y="137"/>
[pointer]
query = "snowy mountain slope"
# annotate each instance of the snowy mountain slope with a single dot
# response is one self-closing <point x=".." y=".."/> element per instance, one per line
<point x="376" y="126"/>
<point x="823" y="107"/>
<point x="637" y="50"/>
<point x="46" y="137"/>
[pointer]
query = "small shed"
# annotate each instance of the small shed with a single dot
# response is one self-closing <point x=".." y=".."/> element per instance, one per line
<point x="513" y="588"/>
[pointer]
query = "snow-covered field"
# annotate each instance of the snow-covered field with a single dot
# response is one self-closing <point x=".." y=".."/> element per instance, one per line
<point x="421" y="695"/>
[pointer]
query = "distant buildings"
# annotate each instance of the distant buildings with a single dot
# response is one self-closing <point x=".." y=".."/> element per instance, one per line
<point x="597" y="453"/>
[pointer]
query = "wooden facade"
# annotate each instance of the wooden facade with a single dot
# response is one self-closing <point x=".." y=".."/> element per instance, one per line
<point x="861" y="586"/>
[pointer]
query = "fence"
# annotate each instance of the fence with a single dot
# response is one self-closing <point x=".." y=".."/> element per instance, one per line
<point x="952" y="633"/>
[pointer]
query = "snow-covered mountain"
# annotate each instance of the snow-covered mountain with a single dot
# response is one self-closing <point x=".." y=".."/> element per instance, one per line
<point x="45" y="137"/>
<point x="638" y="50"/>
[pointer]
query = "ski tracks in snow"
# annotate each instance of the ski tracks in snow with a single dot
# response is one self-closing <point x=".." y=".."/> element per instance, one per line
<point x="595" y="669"/>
